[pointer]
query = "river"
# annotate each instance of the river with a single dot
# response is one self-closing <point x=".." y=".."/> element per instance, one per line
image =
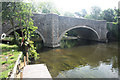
<point x="81" y="59"/>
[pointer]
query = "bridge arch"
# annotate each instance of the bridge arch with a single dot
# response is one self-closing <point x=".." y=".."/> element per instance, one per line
<point x="52" y="27"/>
<point x="11" y="30"/>
<point x="37" y="31"/>
<point x="75" y="27"/>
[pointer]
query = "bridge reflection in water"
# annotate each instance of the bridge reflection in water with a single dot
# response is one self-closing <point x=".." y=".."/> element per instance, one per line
<point x="86" y="60"/>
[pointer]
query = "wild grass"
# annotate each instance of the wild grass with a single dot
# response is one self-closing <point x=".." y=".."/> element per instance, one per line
<point x="7" y="59"/>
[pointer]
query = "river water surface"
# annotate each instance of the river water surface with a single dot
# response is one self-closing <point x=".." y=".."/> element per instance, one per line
<point x="91" y="60"/>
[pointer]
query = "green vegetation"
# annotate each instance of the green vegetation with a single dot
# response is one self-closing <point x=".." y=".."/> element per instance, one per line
<point x="95" y="13"/>
<point x="21" y="12"/>
<point x="113" y="34"/>
<point x="68" y="43"/>
<point x="45" y="7"/>
<point x="69" y="14"/>
<point x="8" y="38"/>
<point x="110" y="15"/>
<point x="8" y="57"/>
<point x="4" y="74"/>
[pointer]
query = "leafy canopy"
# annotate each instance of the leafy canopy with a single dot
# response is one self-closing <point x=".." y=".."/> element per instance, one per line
<point x="19" y="13"/>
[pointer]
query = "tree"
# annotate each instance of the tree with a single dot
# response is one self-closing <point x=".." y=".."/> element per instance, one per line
<point x="109" y="15"/>
<point x="47" y="7"/>
<point x="88" y="16"/>
<point x="20" y="13"/>
<point x="96" y="13"/>
<point x="78" y="14"/>
<point x="8" y="12"/>
<point x="83" y="12"/>
<point x="69" y="14"/>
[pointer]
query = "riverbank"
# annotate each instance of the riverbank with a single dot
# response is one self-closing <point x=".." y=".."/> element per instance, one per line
<point x="8" y="57"/>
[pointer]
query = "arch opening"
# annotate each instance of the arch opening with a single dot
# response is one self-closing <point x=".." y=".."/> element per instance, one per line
<point x="37" y="38"/>
<point x="83" y="32"/>
<point x="12" y="33"/>
<point x="37" y="33"/>
<point x="78" y="36"/>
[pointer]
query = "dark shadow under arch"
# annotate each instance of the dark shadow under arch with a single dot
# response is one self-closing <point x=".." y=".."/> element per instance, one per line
<point x="111" y="36"/>
<point x="18" y="28"/>
<point x="80" y="27"/>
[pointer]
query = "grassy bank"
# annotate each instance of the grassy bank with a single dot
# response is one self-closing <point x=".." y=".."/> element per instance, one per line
<point x="8" y="57"/>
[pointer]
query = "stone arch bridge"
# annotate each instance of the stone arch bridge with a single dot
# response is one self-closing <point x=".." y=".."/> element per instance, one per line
<point x="52" y="27"/>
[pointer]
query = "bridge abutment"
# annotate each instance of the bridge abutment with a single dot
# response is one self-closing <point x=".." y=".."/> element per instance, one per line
<point x="50" y="29"/>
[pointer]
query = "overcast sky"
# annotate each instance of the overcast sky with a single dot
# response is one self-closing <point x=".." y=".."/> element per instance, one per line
<point x="77" y="5"/>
